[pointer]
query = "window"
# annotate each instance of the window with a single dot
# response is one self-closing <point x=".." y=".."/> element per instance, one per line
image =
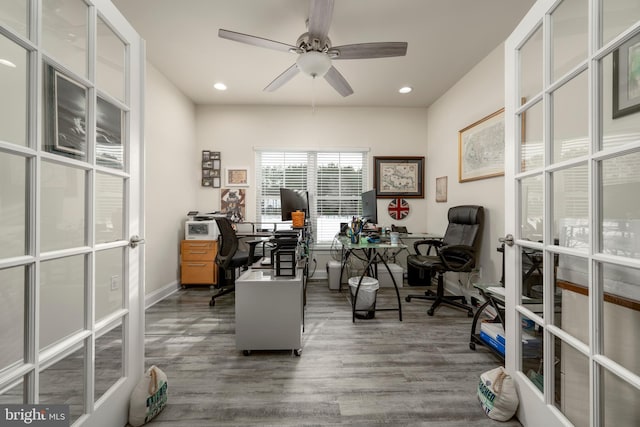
<point x="334" y="180"/>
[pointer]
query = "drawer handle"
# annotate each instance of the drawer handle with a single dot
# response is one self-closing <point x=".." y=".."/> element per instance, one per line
<point x="198" y="245"/>
<point x="197" y="265"/>
<point x="198" y="252"/>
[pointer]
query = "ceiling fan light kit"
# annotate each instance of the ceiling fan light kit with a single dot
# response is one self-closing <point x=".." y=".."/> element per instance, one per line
<point x="315" y="51"/>
<point x="314" y="64"/>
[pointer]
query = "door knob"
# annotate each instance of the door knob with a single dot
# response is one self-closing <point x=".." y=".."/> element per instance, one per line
<point x="135" y="240"/>
<point x="508" y="239"/>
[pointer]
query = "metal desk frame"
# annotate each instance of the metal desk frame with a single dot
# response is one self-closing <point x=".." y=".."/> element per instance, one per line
<point x="373" y="257"/>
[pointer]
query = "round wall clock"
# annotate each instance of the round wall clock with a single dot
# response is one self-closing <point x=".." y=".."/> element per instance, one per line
<point x="398" y="208"/>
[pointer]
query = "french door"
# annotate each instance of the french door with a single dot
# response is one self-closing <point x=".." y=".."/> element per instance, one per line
<point x="71" y="284"/>
<point x="572" y="113"/>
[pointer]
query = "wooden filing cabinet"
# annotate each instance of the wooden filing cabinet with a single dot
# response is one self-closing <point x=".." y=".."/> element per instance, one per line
<point x="197" y="262"/>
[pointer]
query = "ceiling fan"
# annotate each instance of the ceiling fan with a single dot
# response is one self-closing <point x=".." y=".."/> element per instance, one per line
<point x="315" y="51"/>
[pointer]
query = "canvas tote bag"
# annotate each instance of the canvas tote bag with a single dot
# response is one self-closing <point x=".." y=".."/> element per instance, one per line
<point x="498" y="395"/>
<point x="149" y="397"/>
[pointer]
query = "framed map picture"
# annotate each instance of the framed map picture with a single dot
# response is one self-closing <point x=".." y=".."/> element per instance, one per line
<point x="399" y="177"/>
<point x="481" y="148"/>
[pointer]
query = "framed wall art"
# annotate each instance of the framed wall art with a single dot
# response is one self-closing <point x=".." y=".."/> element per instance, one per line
<point x="237" y="177"/>
<point x="399" y="177"/>
<point x="626" y="78"/>
<point x="441" y="189"/>
<point x="481" y="148"/>
<point x="65" y="115"/>
<point x="109" y="131"/>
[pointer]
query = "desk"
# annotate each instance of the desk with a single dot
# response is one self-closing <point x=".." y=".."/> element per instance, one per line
<point x="372" y="255"/>
<point x="269" y="311"/>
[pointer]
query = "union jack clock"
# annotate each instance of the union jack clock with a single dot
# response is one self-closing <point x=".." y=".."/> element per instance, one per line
<point x="398" y="208"/>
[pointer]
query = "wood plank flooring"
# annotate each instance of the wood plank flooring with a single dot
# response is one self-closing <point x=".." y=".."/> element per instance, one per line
<point x="375" y="372"/>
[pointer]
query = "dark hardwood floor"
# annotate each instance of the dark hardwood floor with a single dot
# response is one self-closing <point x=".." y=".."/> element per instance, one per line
<point x="418" y="372"/>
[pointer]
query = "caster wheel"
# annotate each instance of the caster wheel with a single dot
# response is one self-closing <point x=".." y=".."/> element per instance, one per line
<point x="464" y="301"/>
<point x="212" y="303"/>
<point x="469" y="313"/>
<point x="407" y="299"/>
<point x="246" y="352"/>
<point x="297" y="352"/>
<point x="430" y="312"/>
<point x="472" y="346"/>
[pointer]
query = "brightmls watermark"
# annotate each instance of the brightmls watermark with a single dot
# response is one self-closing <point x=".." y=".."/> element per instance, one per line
<point x="34" y="415"/>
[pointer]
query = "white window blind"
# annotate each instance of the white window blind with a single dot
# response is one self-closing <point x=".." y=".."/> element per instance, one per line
<point x="334" y="180"/>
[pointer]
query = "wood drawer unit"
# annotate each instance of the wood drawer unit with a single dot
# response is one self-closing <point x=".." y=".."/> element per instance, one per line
<point x="197" y="263"/>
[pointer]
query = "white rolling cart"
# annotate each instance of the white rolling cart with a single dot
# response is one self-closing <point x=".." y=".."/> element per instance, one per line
<point x="269" y="311"/>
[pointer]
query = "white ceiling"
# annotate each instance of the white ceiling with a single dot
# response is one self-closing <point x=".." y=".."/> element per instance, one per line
<point x="446" y="39"/>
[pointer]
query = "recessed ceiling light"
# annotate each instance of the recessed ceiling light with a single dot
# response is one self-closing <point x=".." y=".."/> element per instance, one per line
<point x="220" y="86"/>
<point x="7" y="63"/>
<point x="405" y="89"/>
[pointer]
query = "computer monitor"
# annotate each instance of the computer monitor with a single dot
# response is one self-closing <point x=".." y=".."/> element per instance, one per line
<point x="293" y="200"/>
<point x="370" y="206"/>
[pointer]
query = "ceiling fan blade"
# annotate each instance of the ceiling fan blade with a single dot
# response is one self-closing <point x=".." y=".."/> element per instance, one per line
<point x="369" y="50"/>
<point x="256" y="41"/>
<point x="320" y="15"/>
<point x="338" y="82"/>
<point x="287" y="75"/>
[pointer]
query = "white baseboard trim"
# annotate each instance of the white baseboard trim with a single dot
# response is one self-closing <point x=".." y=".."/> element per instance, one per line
<point x="160" y="294"/>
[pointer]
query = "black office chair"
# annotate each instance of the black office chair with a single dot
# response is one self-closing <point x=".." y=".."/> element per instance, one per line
<point x="228" y="258"/>
<point x="457" y="251"/>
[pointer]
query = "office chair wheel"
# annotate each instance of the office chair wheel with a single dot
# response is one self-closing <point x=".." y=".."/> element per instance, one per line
<point x="246" y="352"/>
<point x="297" y="352"/>
<point x="212" y="302"/>
<point x="472" y="346"/>
<point x="407" y="298"/>
<point x="430" y="312"/>
<point x="469" y="313"/>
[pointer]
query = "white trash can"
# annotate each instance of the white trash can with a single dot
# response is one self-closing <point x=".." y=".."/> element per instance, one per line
<point x="366" y="301"/>
<point x="333" y="272"/>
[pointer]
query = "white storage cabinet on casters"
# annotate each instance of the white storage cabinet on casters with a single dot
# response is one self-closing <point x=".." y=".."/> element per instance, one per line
<point x="269" y="311"/>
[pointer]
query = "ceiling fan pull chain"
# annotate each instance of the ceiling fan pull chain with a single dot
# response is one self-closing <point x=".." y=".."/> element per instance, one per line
<point x="313" y="95"/>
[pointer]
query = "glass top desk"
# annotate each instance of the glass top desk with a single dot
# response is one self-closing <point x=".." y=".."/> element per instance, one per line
<point x="373" y="255"/>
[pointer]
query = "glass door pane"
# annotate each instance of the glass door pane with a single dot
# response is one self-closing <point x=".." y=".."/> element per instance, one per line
<point x="569" y="35"/>
<point x="62" y="299"/>
<point x="63" y="200"/>
<point x="13" y="205"/>
<point x="109" y="288"/>
<point x="571" y="119"/>
<point x="110" y="61"/>
<point x="15" y="14"/>
<point x="12" y="315"/>
<point x="65" y="29"/>
<point x="109" y="208"/>
<point x="14" y="74"/>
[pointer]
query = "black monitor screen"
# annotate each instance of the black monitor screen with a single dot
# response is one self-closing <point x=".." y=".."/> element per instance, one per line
<point x="370" y="206"/>
<point x="293" y="200"/>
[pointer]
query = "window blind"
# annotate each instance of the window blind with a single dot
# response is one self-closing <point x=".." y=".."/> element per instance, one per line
<point x="334" y="180"/>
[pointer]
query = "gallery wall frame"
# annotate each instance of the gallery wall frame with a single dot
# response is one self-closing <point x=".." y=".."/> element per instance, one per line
<point x="626" y="78"/>
<point x="395" y="176"/>
<point x="481" y="148"/>
<point x="211" y="168"/>
<point x="237" y="177"/>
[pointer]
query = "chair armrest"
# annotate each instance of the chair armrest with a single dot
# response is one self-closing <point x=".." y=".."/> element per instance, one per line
<point x="433" y="243"/>
<point x="457" y="257"/>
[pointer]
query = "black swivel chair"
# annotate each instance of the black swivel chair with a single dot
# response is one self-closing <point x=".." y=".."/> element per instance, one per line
<point x="457" y="251"/>
<point x="228" y="258"/>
